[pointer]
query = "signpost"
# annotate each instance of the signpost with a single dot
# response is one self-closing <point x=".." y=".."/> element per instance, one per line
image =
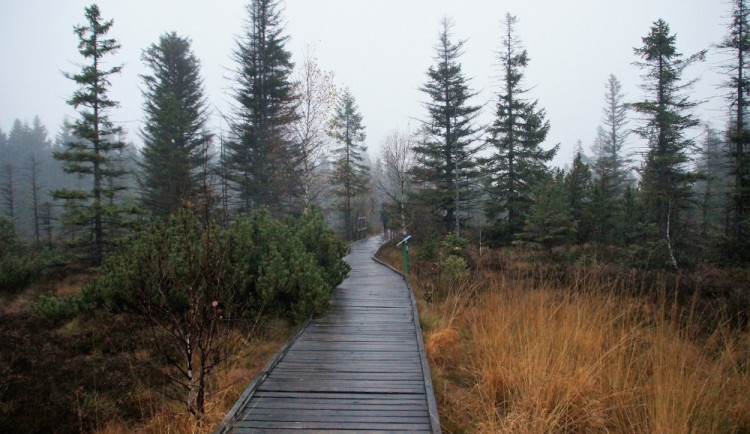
<point x="405" y="242"/>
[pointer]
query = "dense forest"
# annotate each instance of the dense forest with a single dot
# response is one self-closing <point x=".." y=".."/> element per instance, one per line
<point x="182" y="242"/>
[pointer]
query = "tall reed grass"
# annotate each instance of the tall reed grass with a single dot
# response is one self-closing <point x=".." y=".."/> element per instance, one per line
<point x="513" y="350"/>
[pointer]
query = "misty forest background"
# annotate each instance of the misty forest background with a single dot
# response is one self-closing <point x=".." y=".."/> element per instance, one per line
<point x="188" y="235"/>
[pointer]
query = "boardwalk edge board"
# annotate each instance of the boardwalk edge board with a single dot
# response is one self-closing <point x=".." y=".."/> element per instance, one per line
<point x="231" y="417"/>
<point x="429" y="391"/>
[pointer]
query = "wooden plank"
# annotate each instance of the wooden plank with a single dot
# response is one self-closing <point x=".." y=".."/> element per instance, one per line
<point x="352" y="357"/>
<point x="337" y="405"/>
<point x="337" y="362"/>
<point x="340" y="375"/>
<point x="333" y="395"/>
<point x="278" y="383"/>
<point x="324" y="431"/>
<point x="412" y="417"/>
<point x="342" y="387"/>
<point x="380" y="426"/>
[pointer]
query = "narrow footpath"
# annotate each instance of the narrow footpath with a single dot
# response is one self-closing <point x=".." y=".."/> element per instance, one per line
<point x="359" y="367"/>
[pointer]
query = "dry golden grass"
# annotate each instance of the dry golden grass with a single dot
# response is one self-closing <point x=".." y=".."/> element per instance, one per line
<point x="227" y="385"/>
<point x="512" y="353"/>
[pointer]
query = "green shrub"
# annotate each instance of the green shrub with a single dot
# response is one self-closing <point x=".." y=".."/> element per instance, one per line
<point x="453" y="245"/>
<point x="258" y="264"/>
<point x="321" y="241"/>
<point x="16" y="272"/>
<point x="453" y="269"/>
<point x="272" y="267"/>
<point x="59" y="308"/>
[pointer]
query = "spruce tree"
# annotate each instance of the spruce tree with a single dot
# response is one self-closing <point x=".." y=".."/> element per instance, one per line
<point x="174" y="135"/>
<point x="8" y="189"/>
<point x="350" y="173"/>
<point x="259" y="156"/>
<point x="667" y="180"/>
<point x="611" y="164"/>
<point x="713" y="190"/>
<point x="96" y="141"/>
<point x="611" y="171"/>
<point x="737" y="45"/>
<point x="446" y="166"/>
<point x="4" y="153"/>
<point x="517" y="134"/>
<point x="35" y="185"/>
<point x="578" y="186"/>
<point x="549" y="222"/>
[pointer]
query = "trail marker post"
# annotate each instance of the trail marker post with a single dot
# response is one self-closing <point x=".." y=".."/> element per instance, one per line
<point x="405" y="243"/>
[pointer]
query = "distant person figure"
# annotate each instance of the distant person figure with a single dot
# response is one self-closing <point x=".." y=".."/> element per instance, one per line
<point x="386" y="230"/>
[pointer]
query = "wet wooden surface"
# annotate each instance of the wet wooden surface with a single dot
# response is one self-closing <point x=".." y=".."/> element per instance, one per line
<point x="360" y="367"/>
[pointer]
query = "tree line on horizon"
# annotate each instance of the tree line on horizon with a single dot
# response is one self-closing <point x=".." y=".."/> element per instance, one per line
<point x="685" y="202"/>
<point x="295" y="141"/>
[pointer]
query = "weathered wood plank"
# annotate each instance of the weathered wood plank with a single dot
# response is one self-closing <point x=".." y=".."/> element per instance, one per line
<point x="303" y="425"/>
<point x="343" y="375"/>
<point x="323" y="431"/>
<point x="396" y="406"/>
<point x="333" y="395"/>
<point x="341" y="387"/>
<point x="359" y="416"/>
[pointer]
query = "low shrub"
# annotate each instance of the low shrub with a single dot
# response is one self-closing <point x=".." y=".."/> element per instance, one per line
<point x="19" y="266"/>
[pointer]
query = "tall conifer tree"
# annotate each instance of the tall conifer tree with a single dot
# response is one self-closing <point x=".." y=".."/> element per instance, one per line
<point x="3" y="169"/>
<point x="549" y="222"/>
<point x="714" y="189"/>
<point x="611" y="164"/>
<point x="446" y="165"/>
<point x="667" y="180"/>
<point x="174" y="135"/>
<point x="350" y="173"/>
<point x="259" y="155"/>
<point x="97" y="138"/>
<point x="737" y="44"/>
<point x="579" y="188"/>
<point x="517" y="134"/>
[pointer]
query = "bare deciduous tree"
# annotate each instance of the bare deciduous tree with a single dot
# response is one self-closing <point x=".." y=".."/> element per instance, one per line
<point x="397" y="158"/>
<point x="316" y="96"/>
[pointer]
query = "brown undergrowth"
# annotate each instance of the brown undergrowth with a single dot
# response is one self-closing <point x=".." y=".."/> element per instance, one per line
<point x="98" y="373"/>
<point x="522" y="345"/>
<point x="227" y="384"/>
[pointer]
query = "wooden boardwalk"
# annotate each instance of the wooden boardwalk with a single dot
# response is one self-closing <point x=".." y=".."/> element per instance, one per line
<point x="360" y="367"/>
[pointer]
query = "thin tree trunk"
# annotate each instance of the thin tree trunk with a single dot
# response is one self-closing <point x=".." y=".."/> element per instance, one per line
<point x="669" y="238"/>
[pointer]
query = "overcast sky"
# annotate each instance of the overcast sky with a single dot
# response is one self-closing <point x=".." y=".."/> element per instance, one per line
<point x="380" y="49"/>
